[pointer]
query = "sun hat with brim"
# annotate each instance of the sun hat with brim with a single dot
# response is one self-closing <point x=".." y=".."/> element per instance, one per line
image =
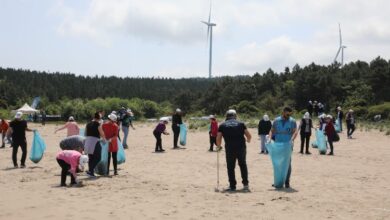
<point x="212" y="116"/>
<point x="18" y="115"/>
<point x="166" y="119"/>
<point x="112" y="117"/>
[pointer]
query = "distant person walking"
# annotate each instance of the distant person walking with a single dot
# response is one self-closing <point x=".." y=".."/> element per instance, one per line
<point x="92" y="145"/>
<point x="43" y="117"/>
<point x="305" y="131"/>
<point x="17" y="129"/>
<point x="4" y="125"/>
<point x="310" y="108"/>
<point x="213" y="132"/>
<point x="350" y="120"/>
<point x="158" y="131"/>
<point x="264" y="128"/>
<point x="340" y="116"/>
<point x="71" y="126"/>
<point x="127" y="121"/>
<point x="316" y="108"/>
<point x="330" y="132"/>
<point x="284" y="128"/>
<point x="234" y="134"/>
<point x="176" y="122"/>
<point x="110" y="129"/>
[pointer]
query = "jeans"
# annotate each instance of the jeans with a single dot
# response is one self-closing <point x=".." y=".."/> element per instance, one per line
<point x="125" y="134"/>
<point x="233" y="154"/>
<point x="176" y="133"/>
<point x="64" y="172"/>
<point x="157" y="135"/>
<point x="305" y="139"/>
<point x="15" y="146"/>
<point x="94" y="158"/>
<point x="262" y="143"/>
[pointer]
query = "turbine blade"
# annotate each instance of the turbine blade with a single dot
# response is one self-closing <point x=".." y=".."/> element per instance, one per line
<point x="341" y="39"/>
<point x="337" y="54"/>
<point x="210" y="12"/>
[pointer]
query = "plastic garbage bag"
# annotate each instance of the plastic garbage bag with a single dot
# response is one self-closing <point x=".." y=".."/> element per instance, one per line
<point x="101" y="168"/>
<point x="121" y="157"/>
<point x="321" y="142"/>
<point x="38" y="148"/>
<point x="280" y="153"/>
<point x="183" y="134"/>
<point x="337" y="126"/>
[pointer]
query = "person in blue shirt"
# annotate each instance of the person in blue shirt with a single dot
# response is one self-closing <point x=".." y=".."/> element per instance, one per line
<point x="284" y="128"/>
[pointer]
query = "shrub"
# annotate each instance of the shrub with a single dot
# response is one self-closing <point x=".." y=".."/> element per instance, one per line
<point x="383" y="110"/>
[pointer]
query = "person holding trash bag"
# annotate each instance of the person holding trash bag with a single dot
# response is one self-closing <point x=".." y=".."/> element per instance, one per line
<point x="284" y="129"/>
<point x="17" y="129"/>
<point x="70" y="161"/>
<point x="92" y="145"/>
<point x="263" y="130"/>
<point x="71" y="126"/>
<point x="110" y="129"/>
<point x="330" y="132"/>
<point x="234" y="134"/>
<point x="213" y="132"/>
<point x="305" y="132"/>
<point x="75" y="142"/>
<point x="176" y="122"/>
<point x="160" y="129"/>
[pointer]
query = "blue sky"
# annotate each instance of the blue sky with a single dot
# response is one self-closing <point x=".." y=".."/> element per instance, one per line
<point x="165" y="37"/>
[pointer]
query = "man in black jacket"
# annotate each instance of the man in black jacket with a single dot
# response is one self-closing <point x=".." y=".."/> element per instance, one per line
<point x="176" y="122"/>
<point x="263" y="130"/>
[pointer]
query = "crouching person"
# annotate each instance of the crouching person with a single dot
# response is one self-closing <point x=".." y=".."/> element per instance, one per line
<point x="69" y="161"/>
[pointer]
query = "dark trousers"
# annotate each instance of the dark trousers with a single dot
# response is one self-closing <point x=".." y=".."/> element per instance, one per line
<point x="213" y="140"/>
<point x="15" y="146"/>
<point x="330" y="145"/>
<point x="157" y="135"/>
<point x="64" y="172"/>
<point x="305" y="139"/>
<point x="176" y="133"/>
<point x="288" y="175"/>
<point x="341" y="124"/>
<point x="114" y="161"/>
<point x="95" y="158"/>
<point x="233" y="154"/>
<point x="350" y="129"/>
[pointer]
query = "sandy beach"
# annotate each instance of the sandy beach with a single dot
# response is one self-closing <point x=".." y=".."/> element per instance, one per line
<point x="179" y="184"/>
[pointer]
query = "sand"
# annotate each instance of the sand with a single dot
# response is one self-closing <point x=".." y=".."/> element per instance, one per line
<point x="179" y="184"/>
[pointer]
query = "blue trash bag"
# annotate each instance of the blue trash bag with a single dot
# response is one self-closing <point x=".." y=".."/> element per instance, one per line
<point x="101" y="168"/>
<point x="280" y="154"/>
<point x="321" y="142"/>
<point x="82" y="132"/>
<point x="183" y="134"/>
<point x="38" y="148"/>
<point x="121" y="157"/>
<point x="337" y="127"/>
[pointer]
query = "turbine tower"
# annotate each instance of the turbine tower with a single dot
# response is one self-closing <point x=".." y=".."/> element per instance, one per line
<point x="210" y="38"/>
<point x="341" y="48"/>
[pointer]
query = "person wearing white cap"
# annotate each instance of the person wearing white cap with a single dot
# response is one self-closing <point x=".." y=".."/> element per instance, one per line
<point x="160" y="129"/>
<point x="71" y="126"/>
<point x="127" y="122"/>
<point x="17" y="129"/>
<point x="176" y="122"/>
<point x="350" y="119"/>
<point x="70" y="161"/>
<point x="111" y="130"/>
<point x="234" y="134"/>
<point x="340" y="116"/>
<point x="263" y="130"/>
<point x="305" y="131"/>
<point x="213" y="132"/>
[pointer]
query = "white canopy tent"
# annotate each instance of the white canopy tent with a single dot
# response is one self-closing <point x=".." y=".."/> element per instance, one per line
<point x="26" y="109"/>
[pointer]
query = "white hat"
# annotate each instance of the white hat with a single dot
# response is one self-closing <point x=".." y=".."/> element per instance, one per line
<point x="129" y="110"/>
<point x="265" y="117"/>
<point x="329" y="116"/>
<point x="350" y="110"/>
<point x="231" y="112"/>
<point x="212" y="116"/>
<point x="322" y="116"/>
<point x="339" y="108"/>
<point x="178" y="110"/>
<point x="164" y="119"/>
<point x="83" y="161"/>
<point x="18" y="115"/>
<point x="112" y="117"/>
<point x="113" y="112"/>
<point x="306" y="115"/>
<point x="70" y="118"/>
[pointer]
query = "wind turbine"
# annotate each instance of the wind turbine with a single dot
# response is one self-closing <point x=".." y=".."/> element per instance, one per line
<point x="341" y="48"/>
<point x="210" y="37"/>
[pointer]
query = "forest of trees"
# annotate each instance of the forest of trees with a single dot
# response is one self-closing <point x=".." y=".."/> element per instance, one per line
<point x="363" y="86"/>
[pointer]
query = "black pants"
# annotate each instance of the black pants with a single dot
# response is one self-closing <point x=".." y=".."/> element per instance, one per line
<point x="331" y="146"/>
<point x="176" y="133"/>
<point x="233" y="154"/>
<point x="213" y="140"/>
<point x="288" y="175"/>
<point x="114" y="161"/>
<point x="157" y="135"/>
<point x="94" y="158"/>
<point x="64" y="172"/>
<point x="15" y="146"/>
<point x="350" y="129"/>
<point x="305" y="139"/>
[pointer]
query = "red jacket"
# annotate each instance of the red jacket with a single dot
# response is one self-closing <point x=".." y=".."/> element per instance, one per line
<point x="214" y="128"/>
<point x="4" y="126"/>
<point x="111" y="131"/>
<point x="330" y="131"/>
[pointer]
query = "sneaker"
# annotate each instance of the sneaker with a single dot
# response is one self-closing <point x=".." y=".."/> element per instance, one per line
<point x="210" y="150"/>
<point x="229" y="189"/>
<point x="246" y="188"/>
<point x="22" y="166"/>
<point x="63" y="185"/>
<point x="307" y="152"/>
<point x="331" y="153"/>
<point x="115" y="173"/>
<point x="287" y="185"/>
<point x="162" y="150"/>
<point x="89" y="174"/>
<point x="16" y="166"/>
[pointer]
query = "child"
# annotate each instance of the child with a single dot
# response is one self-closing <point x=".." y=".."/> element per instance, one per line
<point x="69" y="161"/>
<point x="160" y="129"/>
<point x="213" y="132"/>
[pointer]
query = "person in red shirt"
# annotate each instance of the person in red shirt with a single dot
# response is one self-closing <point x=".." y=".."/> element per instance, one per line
<point x="3" y="129"/>
<point x="111" y="129"/>
<point x="330" y="132"/>
<point x="213" y="132"/>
